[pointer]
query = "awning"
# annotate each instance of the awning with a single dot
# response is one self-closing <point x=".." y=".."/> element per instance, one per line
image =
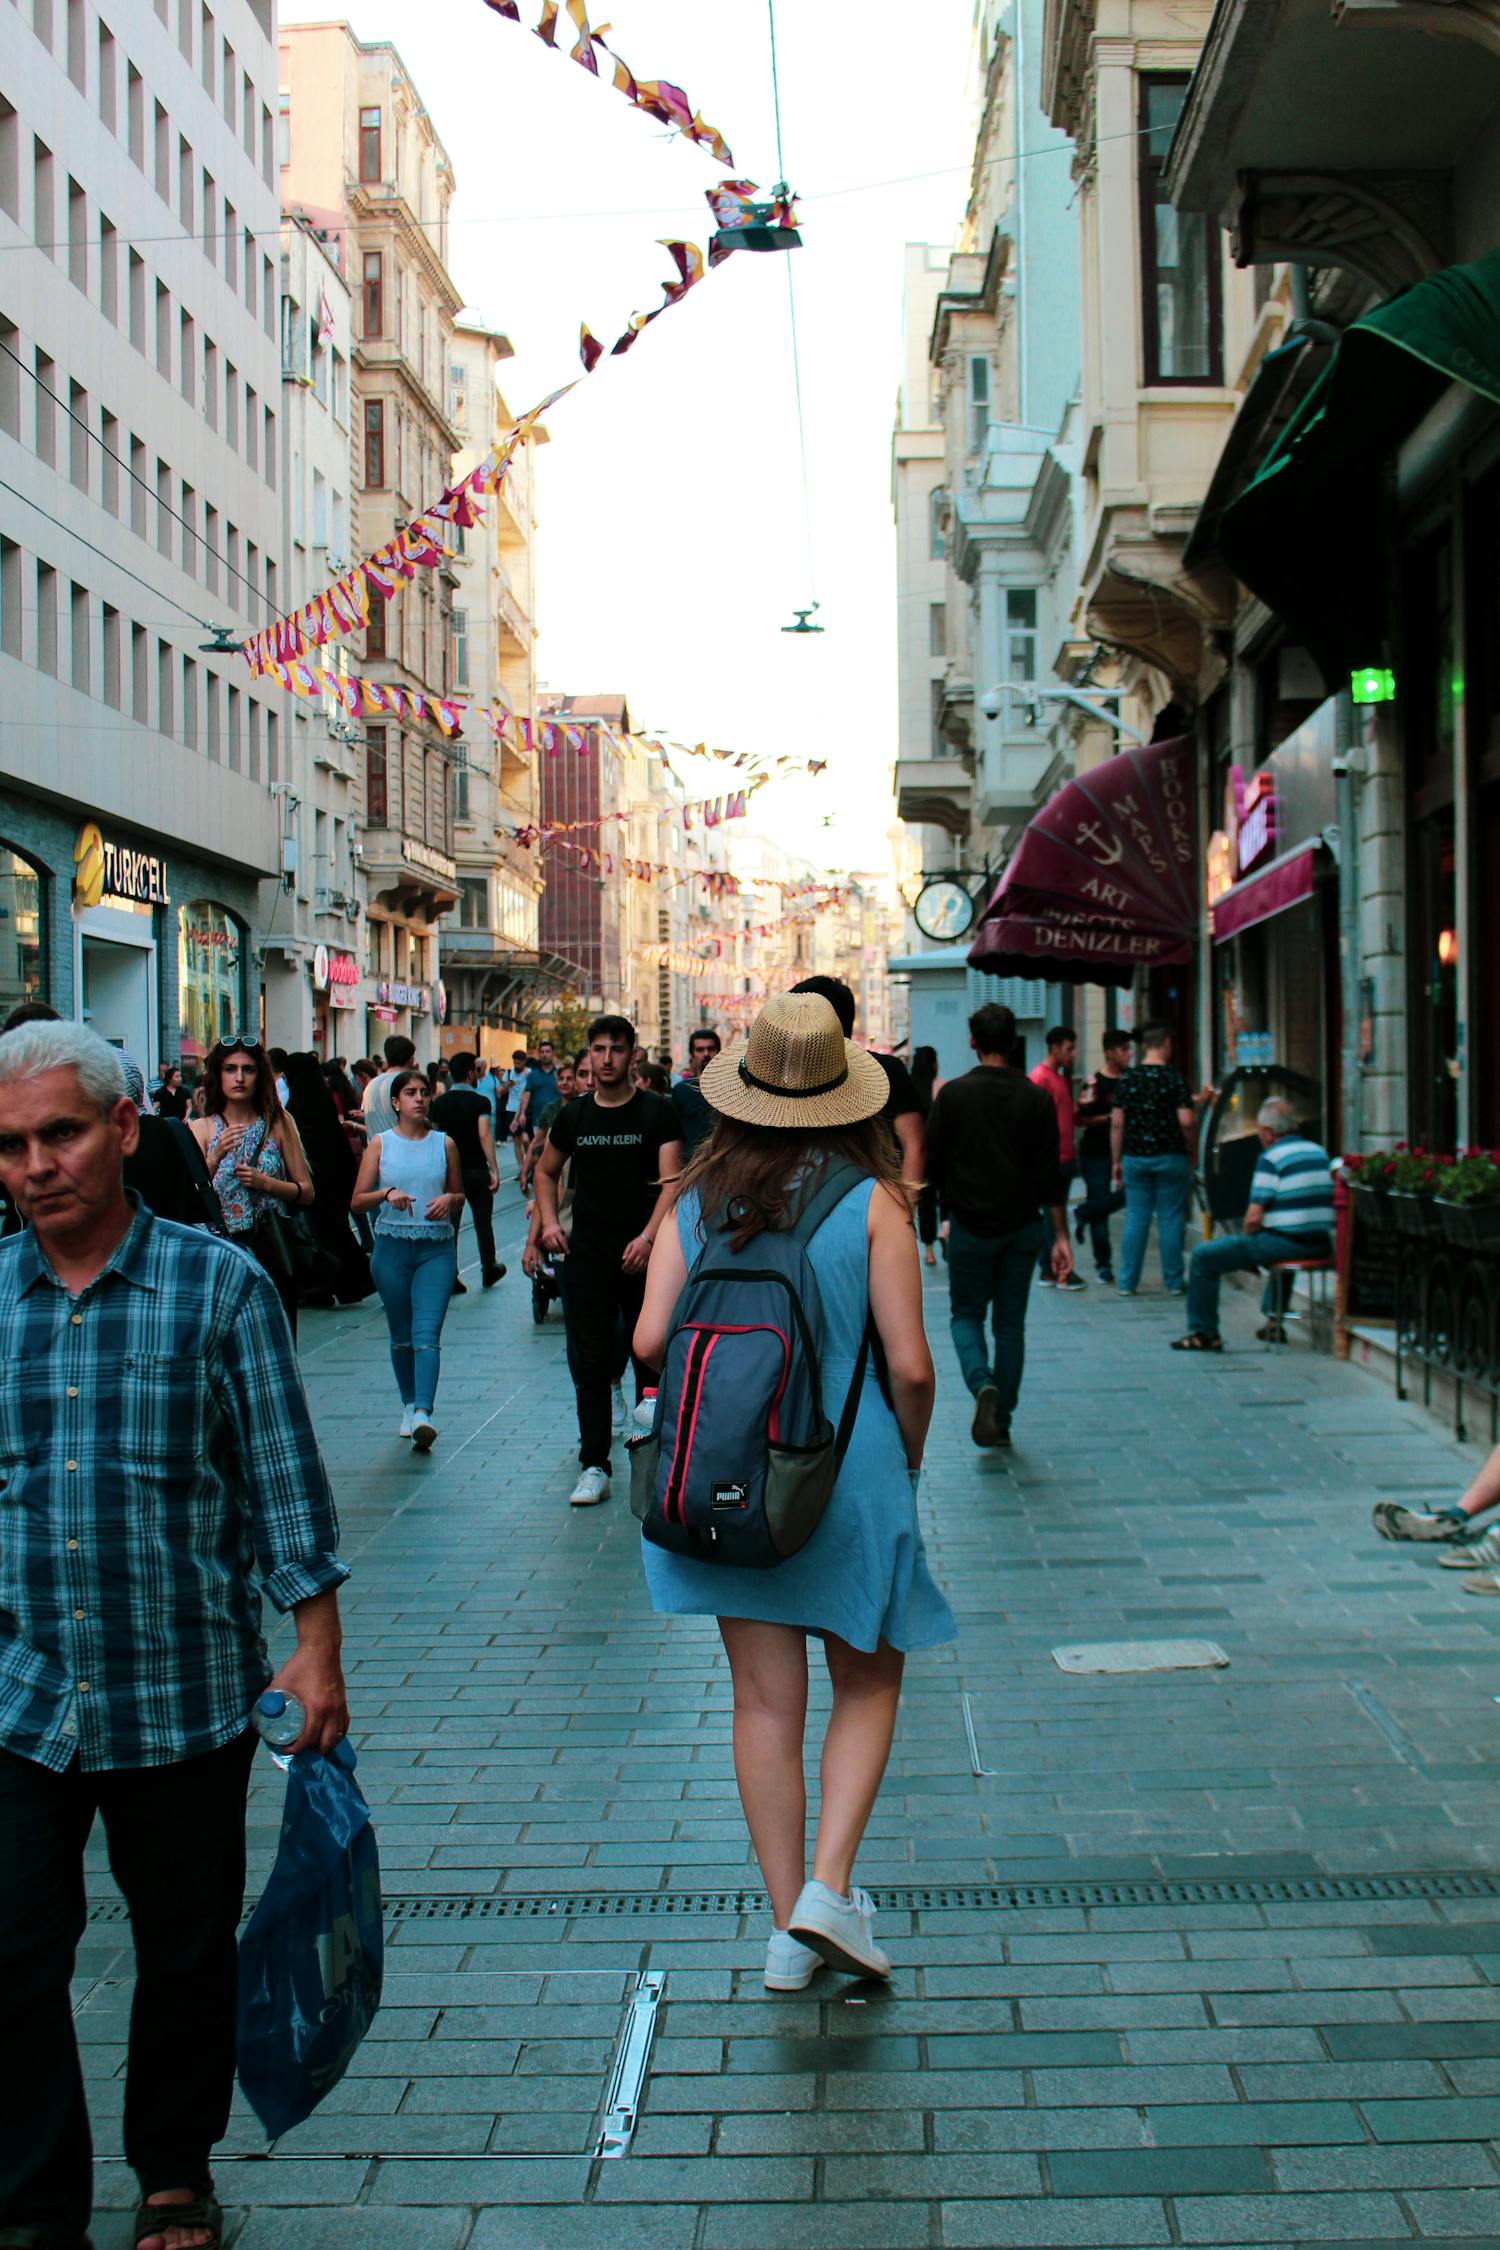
<point x="1102" y="882"/>
<point x="1281" y="883"/>
<point x="1307" y="533"/>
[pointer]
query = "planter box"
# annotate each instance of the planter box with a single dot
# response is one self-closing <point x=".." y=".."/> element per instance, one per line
<point x="1472" y="1226"/>
<point x="1376" y="1208"/>
<point x="1416" y="1214"/>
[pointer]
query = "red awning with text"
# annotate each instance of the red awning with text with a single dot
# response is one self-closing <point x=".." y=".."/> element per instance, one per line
<point x="1102" y="882"/>
<point x="1270" y="890"/>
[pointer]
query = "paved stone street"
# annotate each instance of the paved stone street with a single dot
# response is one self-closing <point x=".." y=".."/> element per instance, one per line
<point x="1167" y="2027"/>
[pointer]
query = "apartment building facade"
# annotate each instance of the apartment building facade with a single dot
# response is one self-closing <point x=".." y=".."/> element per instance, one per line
<point x="141" y="768"/>
<point x="360" y="158"/>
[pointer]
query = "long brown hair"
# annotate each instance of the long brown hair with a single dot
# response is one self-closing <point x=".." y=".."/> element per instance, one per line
<point x="753" y="1175"/>
<point x="266" y="1099"/>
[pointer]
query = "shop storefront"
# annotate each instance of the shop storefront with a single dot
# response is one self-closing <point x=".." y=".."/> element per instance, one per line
<point x="116" y="928"/>
<point x="403" y="1008"/>
<point x="1272" y="896"/>
<point x="335" y="1002"/>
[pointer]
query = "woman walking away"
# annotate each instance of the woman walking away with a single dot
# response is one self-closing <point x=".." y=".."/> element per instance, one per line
<point x="796" y="1100"/>
<point x="1150" y="1136"/>
<point x="254" y="1155"/>
<point x="411" y="1180"/>
<point x="925" y="1081"/>
<point x="314" y="1109"/>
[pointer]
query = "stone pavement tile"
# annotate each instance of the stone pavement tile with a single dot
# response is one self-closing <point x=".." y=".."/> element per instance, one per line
<point x="285" y="2185"/>
<point x="587" y="2228"/>
<point x="687" y="2136"/>
<point x="704" y="2096"/>
<point x="1060" y="2050"/>
<point x="1247" y="2008"/>
<point x="1110" y="2223"/>
<point x="1472" y="2213"/>
<point x="1116" y="2011"/>
<point x="956" y="2130"/>
<point x="1282" y="2044"/>
<point x="1255" y="2124"/>
<point x="1381" y="2042"/>
<point x="496" y="2179"/>
<point x="820" y="2226"/>
<point x="818" y="2133"/>
<point x="1455" y="2164"/>
<point x="377" y="2135"/>
<point x="1235" y="2220"/>
<point x="924" y="2178"/>
<point x="916" y="2089"/>
<point x="1440" y="2120"/>
<point x="1180" y="2082"/>
<point x="361" y="2229"/>
<point x="726" y="2179"/>
<point x="1355" y="2082"/>
<point x="475" y="2094"/>
<point x="1183" y="2170"/>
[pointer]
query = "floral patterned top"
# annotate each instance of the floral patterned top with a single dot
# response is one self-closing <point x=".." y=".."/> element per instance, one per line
<point x="241" y="1205"/>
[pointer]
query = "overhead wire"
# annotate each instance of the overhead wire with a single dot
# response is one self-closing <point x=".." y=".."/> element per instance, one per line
<point x="791" y="308"/>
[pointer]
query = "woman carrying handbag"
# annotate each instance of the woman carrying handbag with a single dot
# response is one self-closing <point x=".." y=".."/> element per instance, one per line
<point x="412" y="1182"/>
<point x="796" y="1104"/>
<point x="254" y="1156"/>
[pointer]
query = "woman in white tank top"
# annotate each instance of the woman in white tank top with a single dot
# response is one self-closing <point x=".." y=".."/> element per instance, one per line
<point x="411" y="1180"/>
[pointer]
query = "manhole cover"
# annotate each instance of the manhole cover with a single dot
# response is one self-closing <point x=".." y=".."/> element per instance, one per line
<point x="1140" y="1656"/>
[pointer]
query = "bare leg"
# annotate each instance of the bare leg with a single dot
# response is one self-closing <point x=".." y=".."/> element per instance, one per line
<point x="769" y="1666"/>
<point x="866" y="1693"/>
<point x="1485" y="1490"/>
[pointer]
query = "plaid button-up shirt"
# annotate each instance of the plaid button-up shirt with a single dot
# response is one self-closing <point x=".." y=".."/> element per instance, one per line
<point x="156" y="1457"/>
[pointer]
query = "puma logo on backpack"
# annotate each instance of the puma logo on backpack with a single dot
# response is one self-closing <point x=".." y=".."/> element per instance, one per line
<point x="740" y="1462"/>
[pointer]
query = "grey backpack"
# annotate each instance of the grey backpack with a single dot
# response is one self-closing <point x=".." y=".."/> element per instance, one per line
<point x="741" y="1459"/>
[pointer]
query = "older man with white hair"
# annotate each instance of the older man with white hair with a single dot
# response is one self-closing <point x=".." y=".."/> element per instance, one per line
<point x="1290" y="1215"/>
<point x="158" y="1472"/>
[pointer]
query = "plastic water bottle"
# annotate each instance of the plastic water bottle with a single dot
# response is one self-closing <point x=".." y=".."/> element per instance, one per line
<point x="644" y="1416"/>
<point x="278" y="1719"/>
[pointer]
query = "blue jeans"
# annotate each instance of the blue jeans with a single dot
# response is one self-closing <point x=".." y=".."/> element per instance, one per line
<point x="1100" y="1202"/>
<point x="414" y="1274"/>
<point x="990" y="1276"/>
<point x="1243" y="1253"/>
<point x="1155" y="1187"/>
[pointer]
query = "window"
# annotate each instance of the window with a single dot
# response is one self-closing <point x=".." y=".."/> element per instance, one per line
<point x="10" y="597"/>
<point x="190" y="703"/>
<point x="231" y="245"/>
<point x="135" y="96"/>
<point x="208" y="53"/>
<point x="210" y="219"/>
<point x="252" y="430"/>
<point x="46" y="618"/>
<point x="79" y="635"/>
<point x="978" y="401"/>
<point x="46" y="409"/>
<point x="340" y="389"/>
<point x="232" y="730"/>
<point x="319" y="509"/>
<point x="937" y="629"/>
<point x="1020" y="633"/>
<point x="10" y="378"/>
<point x="374" y="443"/>
<point x="78" y="236"/>
<point x="163" y="509"/>
<point x="232" y="406"/>
<point x="211" y="385"/>
<point x="375" y="628"/>
<point x="291" y="335"/>
<point x="284" y="127"/>
<point x="109" y="271"/>
<point x="227" y="82"/>
<point x="109" y="457"/>
<point x="41" y="21"/>
<point x="163" y="155"/>
<point x="110" y="645"/>
<point x="78" y="67"/>
<point x="268" y="298"/>
<point x="374" y="294"/>
<point x="137" y="301"/>
<point x="369" y="144"/>
<point x="163" y="330"/>
<point x="189" y="528"/>
<point x="22" y="900"/>
<point x="460" y="648"/>
<point x="140" y="684"/>
<point x="188" y="369"/>
<point x="1179" y="256"/>
<point x="267" y="152"/>
<point x="108" y="87"/>
<point x="375" y="777"/>
<point x="43" y="203"/>
<point x="138" y="490"/>
<point x="10" y="161"/>
<point x="270" y="457"/>
<point x="185" y="175"/>
<point x="211" y="548"/>
<point x="78" y="435"/>
<point x="937" y="538"/>
<point x="248" y="240"/>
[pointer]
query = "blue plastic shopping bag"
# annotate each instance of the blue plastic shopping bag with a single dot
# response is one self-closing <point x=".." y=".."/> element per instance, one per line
<point x="311" y="1955"/>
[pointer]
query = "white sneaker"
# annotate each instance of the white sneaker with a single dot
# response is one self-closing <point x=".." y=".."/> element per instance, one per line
<point x="423" y="1429"/>
<point x="591" y="1488"/>
<point x="839" y="1929"/>
<point x="617" y="1406"/>
<point x="790" y="1965"/>
<point x="1485" y="1550"/>
<point x="408" y="1417"/>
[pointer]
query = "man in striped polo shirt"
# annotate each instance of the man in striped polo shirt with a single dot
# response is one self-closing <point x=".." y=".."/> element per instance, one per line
<point x="1290" y="1216"/>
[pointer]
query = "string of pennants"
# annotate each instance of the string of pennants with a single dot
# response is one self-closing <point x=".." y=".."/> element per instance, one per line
<point x="655" y="97"/>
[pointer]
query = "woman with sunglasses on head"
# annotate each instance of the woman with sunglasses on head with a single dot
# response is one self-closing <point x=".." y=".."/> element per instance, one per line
<point x="412" y="1181"/>
<point x="253" y="1152"/>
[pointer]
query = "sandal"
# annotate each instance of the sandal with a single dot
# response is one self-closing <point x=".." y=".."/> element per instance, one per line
<point x="204" y="2211"/>
<point x="1272" y="1332"/>
<point x="1196" y="1341"/>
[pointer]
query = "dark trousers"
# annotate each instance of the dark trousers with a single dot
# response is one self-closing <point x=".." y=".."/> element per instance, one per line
<point x="989" y="1276"/>
<point x="1100" y="1202"/>
<point x="597" y="1297"/>
<point x="481" y="1202"/>
<point x="176" y="1837"/>
<point x="1068" y="1173"/>
<point x="927" y="1215"/>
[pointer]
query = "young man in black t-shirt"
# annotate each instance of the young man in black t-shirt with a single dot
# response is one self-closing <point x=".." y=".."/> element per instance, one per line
<point x="625" y="1148"/>
<point x="464" y="1115"/>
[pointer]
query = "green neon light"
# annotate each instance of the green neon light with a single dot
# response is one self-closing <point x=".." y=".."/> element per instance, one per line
<point x="1371" y="683"/>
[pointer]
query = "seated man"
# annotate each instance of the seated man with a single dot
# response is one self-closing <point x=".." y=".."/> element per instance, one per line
<point x="1290" y="1216"/>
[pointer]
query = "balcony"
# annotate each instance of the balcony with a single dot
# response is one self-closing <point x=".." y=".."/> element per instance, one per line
<point x="1016" y="774"/>
<point x="937" y="791"/>
<point x="514" y="625"/>
<point x="408" y="876"/>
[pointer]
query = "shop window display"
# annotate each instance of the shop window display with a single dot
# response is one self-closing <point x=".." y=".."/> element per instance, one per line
<point x="210" y="977"/>
<point x="22" y="953"/>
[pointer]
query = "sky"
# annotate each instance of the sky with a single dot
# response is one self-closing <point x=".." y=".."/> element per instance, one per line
<point x="673" y="541"/>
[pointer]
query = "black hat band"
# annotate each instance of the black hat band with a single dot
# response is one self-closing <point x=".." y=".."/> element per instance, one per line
<point x="794" y="1093"/>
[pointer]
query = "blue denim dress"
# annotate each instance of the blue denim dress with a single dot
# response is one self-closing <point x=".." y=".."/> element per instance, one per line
<point x="863" y="1575"/>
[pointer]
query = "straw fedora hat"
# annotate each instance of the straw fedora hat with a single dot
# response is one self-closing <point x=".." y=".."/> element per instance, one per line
<point x="796" y="1070"/>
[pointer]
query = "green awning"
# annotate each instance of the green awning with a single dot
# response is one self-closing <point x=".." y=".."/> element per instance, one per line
<point x="1307" y="534"/>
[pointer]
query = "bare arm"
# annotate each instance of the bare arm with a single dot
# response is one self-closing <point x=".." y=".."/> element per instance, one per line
<point x="638" y="1252"/>
<point x="664" y="1279"/>
<point x="1116" y="1139"/>
<point x="896" y="1308"/>
<point x="547" y="1175"/>
<point x="1188" y="1120"/>
<point x="1255" y="1218"/>
<point x="487" y="1148"/>
<point x="912" y="1136"/>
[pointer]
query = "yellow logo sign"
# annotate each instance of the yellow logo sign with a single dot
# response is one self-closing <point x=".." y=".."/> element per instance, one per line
<point x="88" y="866"/>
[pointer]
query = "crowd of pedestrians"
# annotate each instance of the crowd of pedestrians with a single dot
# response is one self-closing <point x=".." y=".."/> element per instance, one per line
<point x="161" y="1245"/>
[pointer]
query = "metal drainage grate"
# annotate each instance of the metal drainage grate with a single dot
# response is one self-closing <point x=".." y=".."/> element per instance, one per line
<point x="936" y="1898"/>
